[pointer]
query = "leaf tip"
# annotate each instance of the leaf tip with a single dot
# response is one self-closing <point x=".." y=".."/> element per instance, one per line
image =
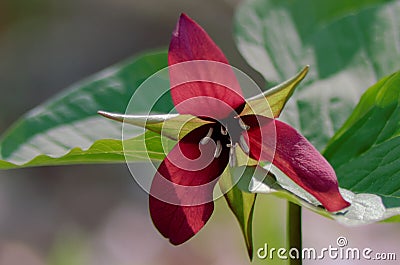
<point x="112" y="116"/>
<point x="101" y="112"/>
<point x="303" y="72"/>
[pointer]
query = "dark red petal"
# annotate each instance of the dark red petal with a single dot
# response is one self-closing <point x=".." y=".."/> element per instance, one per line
<point x="296" y="157"/>
<point x="181" y="193"/>
<point x="211" y="84"/>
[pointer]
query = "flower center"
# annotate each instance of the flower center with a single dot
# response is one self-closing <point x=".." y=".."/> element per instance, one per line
<point x="228" y="133"/>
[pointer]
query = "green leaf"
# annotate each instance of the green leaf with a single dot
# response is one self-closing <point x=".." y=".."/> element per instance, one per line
<point x="365" y="152"/>
<point x="365" y="208"/>
<point x="349" y="45"/>
<point x="242" y="206"/>
<point x="67" y="129"/>
<point x="141" y="148"/>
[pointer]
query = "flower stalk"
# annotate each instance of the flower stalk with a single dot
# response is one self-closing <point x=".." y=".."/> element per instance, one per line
<point x="294" y="231"/>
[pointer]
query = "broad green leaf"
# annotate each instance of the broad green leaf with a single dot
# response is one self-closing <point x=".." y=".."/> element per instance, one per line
<point x="242" y="206"/>
<point x="349" y="45"/>
<point x="365" y="208"/>
<point x="141" y="148"/>
<point x="365" y="152"/>
<point x="274" y="99"/>
<point x="67" y="129"/>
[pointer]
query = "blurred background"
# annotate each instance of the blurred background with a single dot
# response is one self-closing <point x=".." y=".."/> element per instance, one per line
<point x="96" y="214"/>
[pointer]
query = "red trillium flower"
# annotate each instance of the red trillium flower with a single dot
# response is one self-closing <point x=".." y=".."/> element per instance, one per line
<point x="215" y="143"/>
<point x="181" y="195"/>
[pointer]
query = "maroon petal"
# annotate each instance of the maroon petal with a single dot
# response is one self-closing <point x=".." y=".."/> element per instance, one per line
<point x="181" y="193"/>
<point x="296" y="157"/>
<point x="201" y="88"/>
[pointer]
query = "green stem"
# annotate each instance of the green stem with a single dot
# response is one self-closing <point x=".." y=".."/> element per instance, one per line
<point x="294" y="230"/>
